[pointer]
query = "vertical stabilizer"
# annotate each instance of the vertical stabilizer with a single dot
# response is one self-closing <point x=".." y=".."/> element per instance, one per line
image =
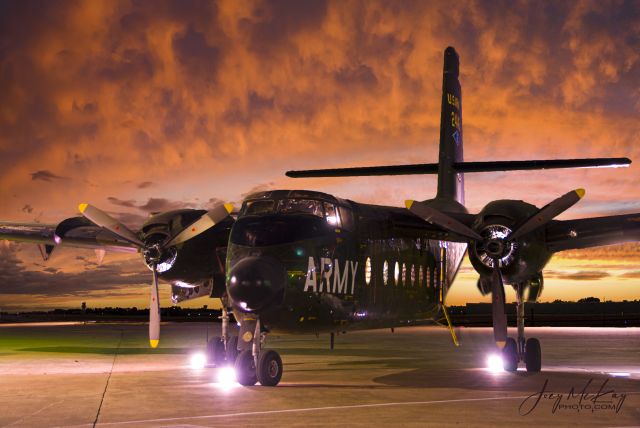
<point x="450" y="182"/>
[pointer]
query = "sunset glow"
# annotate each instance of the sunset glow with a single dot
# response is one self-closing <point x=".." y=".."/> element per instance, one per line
<point x="140" y="107"/>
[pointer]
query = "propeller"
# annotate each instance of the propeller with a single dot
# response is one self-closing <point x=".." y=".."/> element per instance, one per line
<point x="441" y="219"/>
<point x="498" y="314"/>
<point x="153" y="252"/>
<point x="496" y="245"/>
<point x="154" y="310"/>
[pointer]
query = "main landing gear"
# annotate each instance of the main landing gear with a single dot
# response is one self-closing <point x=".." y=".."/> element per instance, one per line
<point x="255" y="364"/>
<point x="521" y="350"/>
<point x="222" y="350"/>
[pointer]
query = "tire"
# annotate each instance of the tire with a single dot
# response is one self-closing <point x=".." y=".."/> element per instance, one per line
<point x="269" y="368"/>
<point x="245" y="369"/>
<point x="533" y="355"/>
<point x="232" y="350"/>
<point x="510" y="355"/>
<point x="215" y="351"/>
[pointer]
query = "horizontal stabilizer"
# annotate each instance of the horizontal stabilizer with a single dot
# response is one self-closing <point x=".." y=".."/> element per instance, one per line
<point x="541" y="164"/>
<point x="421" y="168"/>
<point x="464" y="167"/>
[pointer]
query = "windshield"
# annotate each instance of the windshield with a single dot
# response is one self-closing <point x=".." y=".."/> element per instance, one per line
<point x="335" y="216"/>
<point x="264" y="206"/>
<point x="306" y="206"/>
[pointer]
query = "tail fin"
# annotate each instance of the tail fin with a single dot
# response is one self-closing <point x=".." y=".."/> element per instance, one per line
<point x="451" y="165"/>
<point x="450" y="182"/>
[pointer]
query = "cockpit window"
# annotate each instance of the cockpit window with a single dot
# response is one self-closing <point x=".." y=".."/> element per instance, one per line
<point x="331" y="214"/>
<point x="305" y="206"/>
<point x="336" y="216"/>
<point x="346" y="217"/>
<point x="264" y="206"/>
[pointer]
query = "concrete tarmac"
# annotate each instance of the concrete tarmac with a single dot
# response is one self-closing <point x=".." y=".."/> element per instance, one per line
<point x="104" y="375"/>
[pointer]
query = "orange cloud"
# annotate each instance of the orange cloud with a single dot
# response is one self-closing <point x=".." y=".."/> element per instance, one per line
<point x="183" y="102"/>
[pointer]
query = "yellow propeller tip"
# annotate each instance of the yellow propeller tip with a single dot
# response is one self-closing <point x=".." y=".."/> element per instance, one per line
<point x="154" y="343"/>
<point x="82" y="207"/>
<point x="500" y="344"/>
<point x="580" y="193"/>
<point x="228" y="207"/>
<point x="408" y="203"/>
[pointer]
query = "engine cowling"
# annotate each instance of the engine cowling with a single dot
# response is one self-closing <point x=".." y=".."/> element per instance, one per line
<point x="519" y="260"/>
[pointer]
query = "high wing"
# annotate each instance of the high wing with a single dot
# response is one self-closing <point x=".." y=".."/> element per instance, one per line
<point x="72" y="232"/>
<point x="592" y="232"/>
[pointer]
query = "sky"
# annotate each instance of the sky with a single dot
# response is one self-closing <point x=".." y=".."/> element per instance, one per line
<point x="144" y="106"/>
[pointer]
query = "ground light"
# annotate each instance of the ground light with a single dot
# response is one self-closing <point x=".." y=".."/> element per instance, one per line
<point x="198" y="361"/>
<point x="620" y="374"/>
<point x="494" y="363"/>
<point x="226" y="378"/>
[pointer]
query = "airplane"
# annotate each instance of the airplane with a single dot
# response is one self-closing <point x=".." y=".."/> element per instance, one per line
<point x="300" y="261"/>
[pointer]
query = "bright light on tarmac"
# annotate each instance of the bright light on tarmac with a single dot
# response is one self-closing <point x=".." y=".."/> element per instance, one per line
<point x="198" y="361"/>
<point x="494" y="363"/>
<point x="620" y="374"/>
<point x="226" y="375"/>
<point x="226" y="378"/>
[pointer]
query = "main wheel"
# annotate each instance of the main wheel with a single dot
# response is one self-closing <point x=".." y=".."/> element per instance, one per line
<point x="245" y="368"/>
<point x="269" y="368"/>
<point x="215" y="351"/>
<point x="510" y="355"/>
<point x="232" y="350"/>
<point x="533" y="355"/>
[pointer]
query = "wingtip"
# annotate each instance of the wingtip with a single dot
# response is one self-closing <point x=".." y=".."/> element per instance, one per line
<point x="82" y="207"/>
<point x="580" y="193"/>
<point x="408" y="203"/>
<point x="154" y="343"/>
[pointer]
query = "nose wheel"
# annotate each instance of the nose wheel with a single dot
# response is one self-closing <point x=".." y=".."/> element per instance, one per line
<point x="528" y="350"/>
<point x="255" y="364"/>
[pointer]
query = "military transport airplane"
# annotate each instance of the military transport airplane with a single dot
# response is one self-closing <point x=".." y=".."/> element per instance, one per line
<point x="305" y="261"/>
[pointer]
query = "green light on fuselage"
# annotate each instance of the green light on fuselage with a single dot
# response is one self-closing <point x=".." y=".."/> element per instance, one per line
<point x="300" y="252"/>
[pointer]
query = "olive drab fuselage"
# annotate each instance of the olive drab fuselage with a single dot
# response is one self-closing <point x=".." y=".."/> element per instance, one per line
<point x="348" y="265"/>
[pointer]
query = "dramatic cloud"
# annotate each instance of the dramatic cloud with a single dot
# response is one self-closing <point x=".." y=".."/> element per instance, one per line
<point x="17" y="278"/>
<point x="577" y="276"/>
<point x="45" y="175"/>
<point x="150" y="106"/>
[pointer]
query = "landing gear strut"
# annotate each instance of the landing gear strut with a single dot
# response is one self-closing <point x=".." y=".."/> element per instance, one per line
<point x="255" y="364"/>
<point x="521" y="350"/>
<point x="223" y="349"/>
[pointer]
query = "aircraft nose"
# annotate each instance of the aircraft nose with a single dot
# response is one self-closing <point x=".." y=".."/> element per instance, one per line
<point x="256" y="283"/>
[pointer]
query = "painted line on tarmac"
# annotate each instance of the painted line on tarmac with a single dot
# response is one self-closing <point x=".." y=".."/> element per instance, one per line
<point x="301" y="410"/>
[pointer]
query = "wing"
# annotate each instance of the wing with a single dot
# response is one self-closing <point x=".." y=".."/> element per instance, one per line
<point x="593" y="232"/>
<point x="72" y="232"/>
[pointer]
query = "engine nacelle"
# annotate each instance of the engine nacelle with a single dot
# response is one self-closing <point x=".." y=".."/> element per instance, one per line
<point x="519" y="260"/>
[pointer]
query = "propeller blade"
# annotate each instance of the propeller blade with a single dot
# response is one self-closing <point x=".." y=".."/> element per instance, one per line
<point x="548" y="212"/>
<point x="441" y="219"/>
<point x="205" y="222"/>
<point x="102" y="219"/>
<point x="154" y="311"/>
<point x="497" y="306"/>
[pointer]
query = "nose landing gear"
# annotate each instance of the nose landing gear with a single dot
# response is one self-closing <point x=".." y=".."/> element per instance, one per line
<point x="255" y="364"/>
<point x="521" y="350"/>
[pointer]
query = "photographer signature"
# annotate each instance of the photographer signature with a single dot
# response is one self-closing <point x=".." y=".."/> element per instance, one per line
<point x="602" y="400"/>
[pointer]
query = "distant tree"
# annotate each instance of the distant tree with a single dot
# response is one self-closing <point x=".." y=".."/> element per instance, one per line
<point x="589" y="300"/>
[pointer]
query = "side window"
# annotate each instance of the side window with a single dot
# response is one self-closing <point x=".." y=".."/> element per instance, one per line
<point x="347" y="218"/>
<point x="331" y="214"/>
<point x="258" y="207"/>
